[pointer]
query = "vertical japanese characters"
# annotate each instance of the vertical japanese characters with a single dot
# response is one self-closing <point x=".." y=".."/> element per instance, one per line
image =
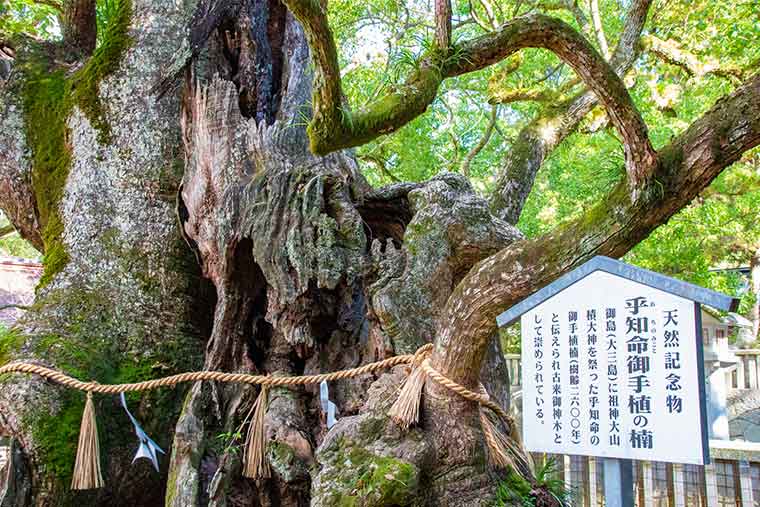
<point x="575" y="379"/>
<point x="556" y="381"/>
<point x="538" y="354"/>
<point x="593" y="371"/>
<point x="672" y="343"/>
<point x="640" y="345"/>
<point x="613" y="397"/>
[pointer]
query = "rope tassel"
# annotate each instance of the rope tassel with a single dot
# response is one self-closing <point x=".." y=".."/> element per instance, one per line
<point x="503" y="452"/>
<point x="87" y="466"/>
<point x="504" y="449"/>
<point x="406" y="410"/>
<point x="255" y="464"/>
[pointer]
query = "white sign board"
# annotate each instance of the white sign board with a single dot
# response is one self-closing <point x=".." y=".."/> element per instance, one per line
<point x="611" y="368"/>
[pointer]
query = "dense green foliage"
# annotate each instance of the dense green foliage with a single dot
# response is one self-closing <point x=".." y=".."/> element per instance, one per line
<point x="515" y="490"/>
<point x="26" y="16"/>
<point x="381" y="39"/>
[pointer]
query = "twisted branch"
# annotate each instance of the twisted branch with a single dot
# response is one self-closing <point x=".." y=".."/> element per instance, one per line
<point x="334" y="127"/>
<point x="547" y="130"/>
<point x="681" y="171"/>
<point x="671" y="52"/>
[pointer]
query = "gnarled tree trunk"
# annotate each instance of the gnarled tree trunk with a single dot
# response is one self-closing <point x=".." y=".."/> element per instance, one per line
<point x="179" y="148"/>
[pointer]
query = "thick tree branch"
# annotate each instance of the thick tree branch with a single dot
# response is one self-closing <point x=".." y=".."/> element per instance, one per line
<point x="682" y="170"/>
<point x="511" y="95"/>
<point x="333" y="127"/>
<point x="15" y="307"/>
<point x="572" y="48"/>
<point x="671" y="52"/>
<point x="328" y="109"/>
<point x="569" y="5"/>
<point x="543" y="134"/>
<point x="79" y="25"/>
<point x="17" y="197"/>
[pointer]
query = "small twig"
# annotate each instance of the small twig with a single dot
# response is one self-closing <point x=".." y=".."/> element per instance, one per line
<point x="18" y="307"/>
<point x="379" y="162"/>
<point x="481" y="143"/>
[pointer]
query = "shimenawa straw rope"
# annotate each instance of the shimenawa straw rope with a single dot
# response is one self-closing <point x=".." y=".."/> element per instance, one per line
<point x="405" y="411"/>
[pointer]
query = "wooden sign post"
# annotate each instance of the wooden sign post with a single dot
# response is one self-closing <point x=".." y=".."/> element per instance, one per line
<point x="612" y="367"/>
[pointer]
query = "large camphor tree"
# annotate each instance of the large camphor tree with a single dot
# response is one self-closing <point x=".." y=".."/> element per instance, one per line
<point x="188" y="173"/>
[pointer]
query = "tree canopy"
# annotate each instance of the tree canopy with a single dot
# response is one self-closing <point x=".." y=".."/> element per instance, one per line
<point x="692" y="53"/>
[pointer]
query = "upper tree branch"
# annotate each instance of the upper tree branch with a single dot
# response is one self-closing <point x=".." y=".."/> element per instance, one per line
<point x="482" y="142"/>
<point x="485" y="24"/>
<point x="572" y="48"/>
<point x="80" y="25"/>
<point x="682" y="170"/>
<point x="443" y="23"/>
<point x="672" y="52"/>
<point x="547" y="130"/>
<point x="569" y="5"/>
<point x="327" y="101"/>
<point x="508" y="96"/>
<point x="596" y="18"/>
<point x="333" y="127"/>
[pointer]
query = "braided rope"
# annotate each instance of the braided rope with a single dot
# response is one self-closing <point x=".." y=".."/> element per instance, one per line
<point x="465" y="393"/>
<point x="218" y="376"/>
<point x="502" y="452"/>
<point x="418" y="358"/>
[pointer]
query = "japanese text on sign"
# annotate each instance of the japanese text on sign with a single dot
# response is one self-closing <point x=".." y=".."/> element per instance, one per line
<point x="610" y="368"/>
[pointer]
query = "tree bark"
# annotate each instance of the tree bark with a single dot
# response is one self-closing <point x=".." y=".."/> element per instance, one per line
<point x="123" y="297"/>
<point x="682" y="169"/>
<point x="307" y="268"/>
<point x="554" y="124"/>
<point x="79" y="26"/>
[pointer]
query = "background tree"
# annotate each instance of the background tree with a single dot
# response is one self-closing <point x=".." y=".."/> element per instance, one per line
<point x="199" y="139"/>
